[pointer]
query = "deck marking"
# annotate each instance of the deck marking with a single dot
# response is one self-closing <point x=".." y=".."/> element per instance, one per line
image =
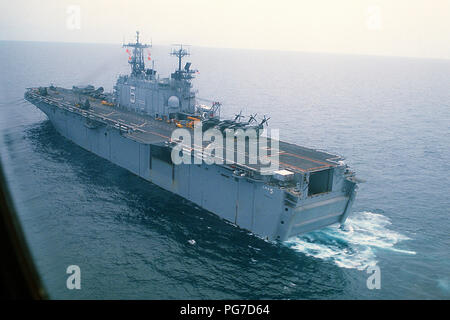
<point x="305" y="158"/>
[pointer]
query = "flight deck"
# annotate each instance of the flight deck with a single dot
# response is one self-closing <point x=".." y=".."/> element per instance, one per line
<point x="147" y="129"/>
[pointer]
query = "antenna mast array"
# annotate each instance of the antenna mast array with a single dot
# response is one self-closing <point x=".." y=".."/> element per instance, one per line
<point x="137" y="59"/>
<point x="186" y="73"/>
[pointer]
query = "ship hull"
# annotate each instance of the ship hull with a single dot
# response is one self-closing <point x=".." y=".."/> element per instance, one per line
<point x="267" y="211"/>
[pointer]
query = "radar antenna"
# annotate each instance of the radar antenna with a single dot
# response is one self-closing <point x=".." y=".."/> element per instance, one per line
<point x="137" y="59"/>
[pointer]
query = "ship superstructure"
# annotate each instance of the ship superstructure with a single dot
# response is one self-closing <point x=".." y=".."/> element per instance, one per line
<point x="134" y="125"/>
<point x="143" y="91"/>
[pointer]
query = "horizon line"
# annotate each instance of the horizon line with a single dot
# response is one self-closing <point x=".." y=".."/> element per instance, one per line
<point x="241" y="48"/>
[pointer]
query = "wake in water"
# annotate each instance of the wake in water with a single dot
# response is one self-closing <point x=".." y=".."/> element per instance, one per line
<point x="355" y="248"/>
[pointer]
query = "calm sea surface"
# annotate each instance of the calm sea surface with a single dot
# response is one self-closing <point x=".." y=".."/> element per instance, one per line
<point x="389" y="117"/>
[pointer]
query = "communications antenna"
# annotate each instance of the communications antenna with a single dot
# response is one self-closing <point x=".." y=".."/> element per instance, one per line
<point x="136" y="60"/>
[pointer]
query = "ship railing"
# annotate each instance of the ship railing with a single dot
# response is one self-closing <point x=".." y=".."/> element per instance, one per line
<point x="85" y="113"/>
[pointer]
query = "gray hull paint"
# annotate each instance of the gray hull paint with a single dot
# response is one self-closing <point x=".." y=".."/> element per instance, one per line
<point x="267" y="211"/>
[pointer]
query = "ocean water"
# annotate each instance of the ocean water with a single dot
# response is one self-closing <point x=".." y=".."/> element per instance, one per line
<point x="389" y="117"/>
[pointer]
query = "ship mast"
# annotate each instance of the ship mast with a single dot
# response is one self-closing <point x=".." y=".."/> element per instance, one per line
<point x="186" y="73"/>
<point x="183" y="78"/>
<point x="137" y="59"/>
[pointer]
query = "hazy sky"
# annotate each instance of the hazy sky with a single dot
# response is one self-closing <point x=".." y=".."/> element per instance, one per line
<point x="419" y="28"/>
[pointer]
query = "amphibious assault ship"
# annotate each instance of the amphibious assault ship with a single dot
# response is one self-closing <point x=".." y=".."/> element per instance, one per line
<point x="133" y="127"/>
